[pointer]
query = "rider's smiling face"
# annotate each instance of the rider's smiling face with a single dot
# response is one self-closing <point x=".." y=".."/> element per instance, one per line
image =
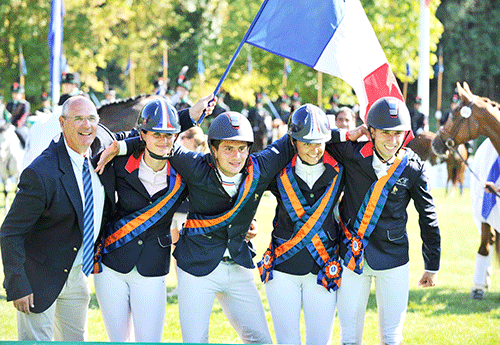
<point x="387" y="142"/>
<point x="231" y="156"/>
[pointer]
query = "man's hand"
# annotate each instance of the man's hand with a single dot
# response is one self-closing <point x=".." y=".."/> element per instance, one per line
<point x="106" y="156"/>
<point x="356" y="133"/>
<point x="252" y="232"/>
<point x="23" y="304"/>
<point x="428" y="279"/>
<point x="206" y="103"/>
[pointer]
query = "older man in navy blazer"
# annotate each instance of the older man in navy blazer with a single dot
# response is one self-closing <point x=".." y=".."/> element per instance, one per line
<point x="42" y="236"/>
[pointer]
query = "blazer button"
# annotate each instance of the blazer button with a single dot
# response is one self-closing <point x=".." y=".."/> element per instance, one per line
<point x="75" y="249"/>
<point x="229" y="226"/>
<point x="66" y="270"/>
<point x="311" y="195"/>
<point x="140" y="242"/>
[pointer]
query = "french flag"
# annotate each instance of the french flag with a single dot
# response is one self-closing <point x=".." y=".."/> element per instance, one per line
<point x="331" y="36"/>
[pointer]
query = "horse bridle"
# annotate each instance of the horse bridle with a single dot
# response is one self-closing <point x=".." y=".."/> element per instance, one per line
<point x="450" y="144"/>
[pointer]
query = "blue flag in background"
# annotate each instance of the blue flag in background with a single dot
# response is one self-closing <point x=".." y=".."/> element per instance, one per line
<point x="129" y="66"/>
<point x="489" y="199"/>
<point x="288" y="68"/>
<point x="249" y="61"/>
<point x="201" y="66"/>
<point x="55" y="40"/>
<point x="22" y="62"/>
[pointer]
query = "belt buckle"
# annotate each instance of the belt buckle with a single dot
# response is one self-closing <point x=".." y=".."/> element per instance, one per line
<point x="227" y="259"/>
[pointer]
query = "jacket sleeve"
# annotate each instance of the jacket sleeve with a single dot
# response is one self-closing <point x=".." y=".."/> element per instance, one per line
<point x="429" y="229"/>
<point x="25" y="211"/>
<point x="275" y="157"/>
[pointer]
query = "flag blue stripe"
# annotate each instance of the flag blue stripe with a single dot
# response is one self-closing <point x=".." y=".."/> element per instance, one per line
<point x="311" y="21"/>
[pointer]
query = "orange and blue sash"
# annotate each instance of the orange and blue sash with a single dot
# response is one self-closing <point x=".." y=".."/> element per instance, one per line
<point x="308" y="232"/>
<point x="369" y="214"/>
<point x="198" y="224"/>
<point x="131" y="226"/>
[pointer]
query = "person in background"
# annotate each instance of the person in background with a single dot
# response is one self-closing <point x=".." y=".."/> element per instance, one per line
<point x="261" y="121"/>
<point x="110" y="97"/>
<point x="301" y="268"/>
<point x="296" y="102"/>
<point x="221" y="107"/>
<point x="19" y="110"/>
<point x="334" y="105"/>
<point x="381" y="178"/>
<point x="180" y="100"/>
<point x="46" y="107"/>
<point x="418" y="121"/>
<point x="70" y="86"/>
<point x="345" y="118"/>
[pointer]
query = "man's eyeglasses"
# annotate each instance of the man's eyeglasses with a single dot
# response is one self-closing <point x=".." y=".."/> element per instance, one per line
<point x="80" y="119"/>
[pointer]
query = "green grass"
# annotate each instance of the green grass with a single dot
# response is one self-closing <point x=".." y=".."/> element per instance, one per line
<point x="440" y="315"/>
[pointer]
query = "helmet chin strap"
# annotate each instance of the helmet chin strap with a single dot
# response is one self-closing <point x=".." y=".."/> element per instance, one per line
<point x="158" y="157"/>
<point x="162" y="158"/>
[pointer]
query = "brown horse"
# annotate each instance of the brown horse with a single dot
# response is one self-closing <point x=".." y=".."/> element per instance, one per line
<point x="455" y="167"/>
<point x="421" y="144"/>
<point x="122" y="114"/>
<point x="475" y="116"/>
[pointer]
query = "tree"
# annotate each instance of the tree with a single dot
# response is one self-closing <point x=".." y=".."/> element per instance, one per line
<point x="470" y="46"/>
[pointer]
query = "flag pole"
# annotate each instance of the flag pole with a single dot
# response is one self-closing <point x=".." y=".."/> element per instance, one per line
<point x="439" y="86"/>
<point x="132" y="78"/>
<point x="21" y="62"/>
<point x="285" y="75"/>
<point x="165" y="65"/>
<point x="320" y="89"/>
<point x="55" y="39"/>
<point x="228" y="68"/>
<point x="423" y="56"/>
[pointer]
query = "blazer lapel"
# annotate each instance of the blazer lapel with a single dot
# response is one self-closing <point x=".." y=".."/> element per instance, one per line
<point x="68" y="180"/>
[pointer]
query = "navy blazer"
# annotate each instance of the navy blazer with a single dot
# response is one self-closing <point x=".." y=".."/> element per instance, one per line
<point x="303" y="263"/>
<point x="150" y="251"/>
<point x="42" y="232"/>
<point x="388" y="244"/>
<point x="200" y="254"/>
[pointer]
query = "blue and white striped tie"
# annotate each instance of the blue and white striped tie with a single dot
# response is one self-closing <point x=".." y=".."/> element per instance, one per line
<point x="88" y="221"/>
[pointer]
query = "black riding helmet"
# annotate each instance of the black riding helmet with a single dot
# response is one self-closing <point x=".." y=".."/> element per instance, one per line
<point x="389" y="113"/>
<point x="230" y="125"/>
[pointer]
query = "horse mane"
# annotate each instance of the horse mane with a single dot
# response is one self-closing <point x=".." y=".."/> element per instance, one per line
<point x="124" y="101"/>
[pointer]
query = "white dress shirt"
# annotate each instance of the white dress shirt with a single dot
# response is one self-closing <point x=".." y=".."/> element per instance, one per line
<point x="97" y="190"/>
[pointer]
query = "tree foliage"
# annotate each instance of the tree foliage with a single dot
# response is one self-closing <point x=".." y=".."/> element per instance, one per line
<point x="470" y="46"/>
<point x="101" y="35"/>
